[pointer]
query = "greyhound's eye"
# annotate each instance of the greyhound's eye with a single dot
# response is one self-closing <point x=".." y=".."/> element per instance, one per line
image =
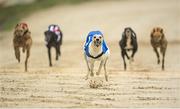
<point x="94" y="37"/>
<point x="100" y="37"/>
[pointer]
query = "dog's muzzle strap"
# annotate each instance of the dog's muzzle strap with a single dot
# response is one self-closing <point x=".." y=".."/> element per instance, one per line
<point x="96" y="56"/>
<point x="25" y="32"/>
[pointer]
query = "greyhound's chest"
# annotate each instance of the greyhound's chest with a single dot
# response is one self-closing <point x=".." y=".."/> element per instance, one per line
<point x="156" y="44"/>
<point x="20" y="41"/>
<point x="128" y="43"/>
<point x="103" y="57"/>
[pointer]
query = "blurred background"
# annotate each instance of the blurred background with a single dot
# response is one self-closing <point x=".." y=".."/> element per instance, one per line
<point x="12" y="11"/>
<point x="111" y="16"/>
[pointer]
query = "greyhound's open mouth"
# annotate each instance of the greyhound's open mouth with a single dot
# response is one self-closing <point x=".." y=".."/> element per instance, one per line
<point x="97" y="43"/>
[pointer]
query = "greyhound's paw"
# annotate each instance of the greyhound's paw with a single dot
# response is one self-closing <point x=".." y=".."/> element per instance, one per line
<point x="97" y="73"/>
<point x="124" y="67"/>
<point x="23" y="50"/>
<point x="106" y="77"/>
<point x="162" y="67"/>
<point x="92" y="74"/>
<point x="18" y="60"/>
<point x="131" y="60"/>
<point x="158" y="62"/>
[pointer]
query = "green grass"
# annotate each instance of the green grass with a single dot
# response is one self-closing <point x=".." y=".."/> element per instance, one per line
<point x="9" y="16"/>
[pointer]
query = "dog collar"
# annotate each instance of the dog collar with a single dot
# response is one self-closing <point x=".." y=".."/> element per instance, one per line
<point x="95" y="56"/>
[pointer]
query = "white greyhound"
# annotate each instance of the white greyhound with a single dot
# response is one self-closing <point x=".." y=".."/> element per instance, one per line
<point x="95" y="49"/>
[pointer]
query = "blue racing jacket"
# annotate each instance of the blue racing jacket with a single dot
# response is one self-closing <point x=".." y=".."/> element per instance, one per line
<point x="89" y="40"/>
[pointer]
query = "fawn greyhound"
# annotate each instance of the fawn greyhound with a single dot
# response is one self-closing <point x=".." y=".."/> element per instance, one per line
<point x="158" y="40"/>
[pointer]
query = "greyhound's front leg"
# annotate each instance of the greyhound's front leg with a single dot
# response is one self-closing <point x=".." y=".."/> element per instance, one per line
<point x="157" y="54"/>
<point x="163" y="51"/>
<point x="27" y="56"/>
<point x="57" y="53"/>
<point x="87" y="66"/>
<point x="163" y="60"/>
<point x="123" y="56"/>
<point x="100" y="66"/>
<point x="92" y="68"/>
<point x="17" y="53"/>
<point x="49" y="54"/>
<point x="126" y="54"/>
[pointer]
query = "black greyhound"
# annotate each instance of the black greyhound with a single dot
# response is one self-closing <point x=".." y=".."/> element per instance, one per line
<point x="128" y="43"/>
<point x="51" y="41"/>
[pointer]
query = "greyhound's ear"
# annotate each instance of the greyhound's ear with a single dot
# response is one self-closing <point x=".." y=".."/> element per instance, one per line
<point x="125" y="30"/>
<point x="102" y="35"/>
<point x="134" y="34"/>
<point x="161" y="30"/>
<point x="16" y="26"/>
<point x="154" y="29"/>
<point x="162" y="33"/>
<point x="45" y="33"/>
<point x="152" y="33"/>
<point x="123" y="35"/>
<point x="131" y="29"/>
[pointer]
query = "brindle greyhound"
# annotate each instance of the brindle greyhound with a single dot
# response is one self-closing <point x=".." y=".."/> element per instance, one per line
<point x="22" y="38"/>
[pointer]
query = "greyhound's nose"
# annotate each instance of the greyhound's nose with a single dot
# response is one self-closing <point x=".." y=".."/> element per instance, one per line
<point x="97" y="39"/>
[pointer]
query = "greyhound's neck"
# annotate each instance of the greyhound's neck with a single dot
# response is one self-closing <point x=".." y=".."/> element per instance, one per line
<point x="128" y="43"/>
<point x="94" y="50"/>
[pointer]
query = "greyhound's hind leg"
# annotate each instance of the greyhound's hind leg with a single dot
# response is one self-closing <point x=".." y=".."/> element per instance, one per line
<point x="27" y="57"/>
<point x="106" y="74"/>
<point x="123" y="56"/>
<point x="132" y="56"/>
<point x="92" y="68"/>
<point x="59" y="50"/>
